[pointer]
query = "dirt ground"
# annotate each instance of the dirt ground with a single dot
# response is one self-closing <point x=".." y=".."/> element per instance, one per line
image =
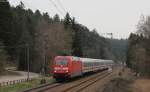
<point x="126" y="82"/>
<point x="101" y="84"/>
<point x="141" y="85"/>
<point x="120" y="83"/>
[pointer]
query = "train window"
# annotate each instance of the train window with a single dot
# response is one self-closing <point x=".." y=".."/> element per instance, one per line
<point x="76" y="59"/>
<point x="86" y="64"/>
<point x="97" y="63"/>
<point x="61" y="62"/>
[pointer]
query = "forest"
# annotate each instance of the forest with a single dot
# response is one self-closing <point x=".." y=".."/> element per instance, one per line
<point x="138" y="54"/>
<point x="119" y="49"/>
<point x="35" y="38"/>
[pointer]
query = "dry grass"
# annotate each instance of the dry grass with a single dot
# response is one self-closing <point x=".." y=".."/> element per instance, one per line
<point x="141" y="85"/>
<point x="24" y="85"/>
<point x="120" y="83"/>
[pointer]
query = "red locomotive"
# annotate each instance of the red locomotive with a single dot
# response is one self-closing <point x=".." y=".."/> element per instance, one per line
<point x="65" y="67"/>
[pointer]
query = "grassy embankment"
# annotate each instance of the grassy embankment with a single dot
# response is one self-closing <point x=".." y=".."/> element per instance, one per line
<point x="24" y="85"/>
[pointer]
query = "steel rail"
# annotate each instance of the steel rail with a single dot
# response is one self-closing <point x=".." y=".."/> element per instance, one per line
<point x="43" y="87"/>
<point x="92" y="82"/>
<point x="87" y="80"/>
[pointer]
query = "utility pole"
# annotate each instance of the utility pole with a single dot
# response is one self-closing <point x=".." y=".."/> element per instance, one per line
<point x="46" y="48"/>
<point x="28" y="61"/>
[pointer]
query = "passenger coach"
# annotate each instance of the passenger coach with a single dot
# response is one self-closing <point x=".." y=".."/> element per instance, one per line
<point x="65" y="67"/>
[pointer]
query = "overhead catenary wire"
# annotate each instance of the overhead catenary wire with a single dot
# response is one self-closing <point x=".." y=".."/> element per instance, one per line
<point x="54" y="4"/>
<point x="61" y="5"/>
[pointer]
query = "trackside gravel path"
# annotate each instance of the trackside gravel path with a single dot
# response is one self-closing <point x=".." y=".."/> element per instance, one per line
<point x="20" y="75"/>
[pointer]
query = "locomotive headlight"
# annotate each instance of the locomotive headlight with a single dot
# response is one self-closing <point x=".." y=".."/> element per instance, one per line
<point x="65" y="69"/>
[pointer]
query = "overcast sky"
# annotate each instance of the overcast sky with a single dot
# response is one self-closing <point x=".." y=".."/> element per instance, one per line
<point x="119" y="17"/>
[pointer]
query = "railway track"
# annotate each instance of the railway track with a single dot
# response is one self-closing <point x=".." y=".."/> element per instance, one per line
<point x="78" y="86"/>
<point x="86" y="83"/>
<point x="43" y="87"/>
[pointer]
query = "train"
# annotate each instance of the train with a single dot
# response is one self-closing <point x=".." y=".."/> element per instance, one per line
<point x="67" y="67"/>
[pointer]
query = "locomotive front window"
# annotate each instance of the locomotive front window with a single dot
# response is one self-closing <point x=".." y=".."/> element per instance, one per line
<point x="61" y="62"/>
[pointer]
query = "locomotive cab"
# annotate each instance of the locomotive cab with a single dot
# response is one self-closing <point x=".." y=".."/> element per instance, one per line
<point x="66" y="67"/>
<point x="61" y="68"/>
